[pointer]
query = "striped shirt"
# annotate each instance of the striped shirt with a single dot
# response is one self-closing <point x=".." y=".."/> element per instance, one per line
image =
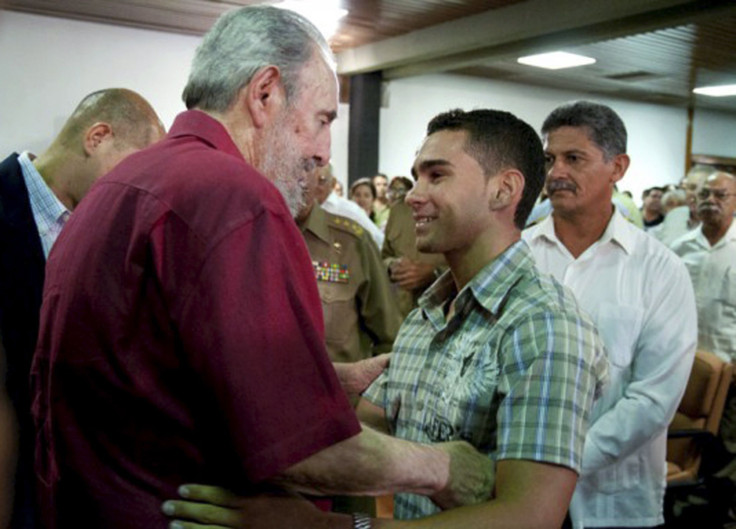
<point x="514" y="372"/>
<point x="48" y="211"/>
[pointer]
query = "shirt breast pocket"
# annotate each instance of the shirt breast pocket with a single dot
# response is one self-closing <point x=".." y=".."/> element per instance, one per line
<point x="619" y="326"/>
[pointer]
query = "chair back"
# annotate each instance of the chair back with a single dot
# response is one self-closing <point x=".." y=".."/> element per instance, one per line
<point x="701" y="408"/>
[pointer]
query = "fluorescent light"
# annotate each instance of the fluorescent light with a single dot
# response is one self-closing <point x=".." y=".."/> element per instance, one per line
<point x="325" y="14"/>
<point x="555" y="60"/>
<point x="717" y="91"/>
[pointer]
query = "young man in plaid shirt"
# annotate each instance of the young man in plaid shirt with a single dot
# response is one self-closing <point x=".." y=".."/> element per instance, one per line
<point x="496" y="354"/>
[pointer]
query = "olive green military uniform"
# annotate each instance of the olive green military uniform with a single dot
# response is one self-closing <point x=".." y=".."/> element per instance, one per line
<point x="400" y="242"/>
<point x="361" y="315"/>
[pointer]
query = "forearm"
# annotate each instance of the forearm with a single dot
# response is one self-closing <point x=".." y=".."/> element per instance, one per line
<point x="494" y="514"/>
<point x="347" y="376"/>
<point x="529" y="496"/>
<point x="355" y="377"/>
<point x="372" y="415"/>
<point x="371" y="463"/>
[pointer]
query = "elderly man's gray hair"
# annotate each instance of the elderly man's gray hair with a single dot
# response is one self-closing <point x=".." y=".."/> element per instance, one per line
<point x="243" y="41"/>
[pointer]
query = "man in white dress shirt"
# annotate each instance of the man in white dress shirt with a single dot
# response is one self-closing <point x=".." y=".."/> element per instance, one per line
<point x="641" y="299"/>
<point x="709" y="252"/>
<point x="680" y="220"/>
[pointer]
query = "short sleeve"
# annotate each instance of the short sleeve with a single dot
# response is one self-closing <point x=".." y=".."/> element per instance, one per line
<point x="253" y="329"/>
<point x="553" y="364"/>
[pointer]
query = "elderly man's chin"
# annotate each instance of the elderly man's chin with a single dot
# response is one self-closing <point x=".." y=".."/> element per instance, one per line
<point x="294" y="192"/>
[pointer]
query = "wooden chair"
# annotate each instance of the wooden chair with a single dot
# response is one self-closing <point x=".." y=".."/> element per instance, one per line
<point x="694" y="429"/>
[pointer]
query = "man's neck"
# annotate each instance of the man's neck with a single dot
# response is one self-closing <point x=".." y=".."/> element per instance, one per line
<point x="649" y="215"/>
<point x="715" y="232"/>
<point x="465" y="264"/>
<point x="580" y="232"/>
<point x="53" y="170"/>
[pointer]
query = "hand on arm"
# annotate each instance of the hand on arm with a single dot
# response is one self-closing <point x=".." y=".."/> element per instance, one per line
<point x="529" y="495"/>
<point x="411" y="275"/>
<point x="372" y="463"/>
<point x="372" y="415"/>
<point x="452" y="473"/>
<point x="357" y="376"/>
<point x="205" y="507"/>
<point x="468" y="467"/>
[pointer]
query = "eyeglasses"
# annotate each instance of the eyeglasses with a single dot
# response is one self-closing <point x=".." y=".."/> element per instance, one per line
<point x="718" y="194"/>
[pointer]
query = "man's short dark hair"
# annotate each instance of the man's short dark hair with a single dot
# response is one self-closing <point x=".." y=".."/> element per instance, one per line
<point x="648" y="191"/>
<point x="499" y="140"/>
<point x="605" y="127"/>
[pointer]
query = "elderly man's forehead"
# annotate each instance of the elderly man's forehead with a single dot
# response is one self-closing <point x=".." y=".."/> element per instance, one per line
<point x="721" y="179"/>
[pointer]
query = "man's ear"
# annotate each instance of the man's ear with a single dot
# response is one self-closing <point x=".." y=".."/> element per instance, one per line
<point x="95" y="135"/>
<point x="264" y="95"/>
<point x="620" y="165"/>
<point x="506" y="189"/>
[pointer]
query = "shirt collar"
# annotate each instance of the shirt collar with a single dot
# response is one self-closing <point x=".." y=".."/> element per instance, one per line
<point x="489" y="288"/>
<point x="316" y="223"/>
<point x="694" y="235"/>
<point x="47" y="209"/>
<point x="202" y="125"/>
<point x="729" y="236"/>
<point x="618" y="231"/>
<point x="731" y="233"/>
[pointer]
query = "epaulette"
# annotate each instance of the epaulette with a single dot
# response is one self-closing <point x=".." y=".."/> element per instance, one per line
<point x="347" y="225"/>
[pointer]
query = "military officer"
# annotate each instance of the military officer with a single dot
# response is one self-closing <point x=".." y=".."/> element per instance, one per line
<point x="361" y="314"/>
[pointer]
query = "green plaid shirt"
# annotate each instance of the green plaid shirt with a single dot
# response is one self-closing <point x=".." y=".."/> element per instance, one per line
<point x="514" y="372"/>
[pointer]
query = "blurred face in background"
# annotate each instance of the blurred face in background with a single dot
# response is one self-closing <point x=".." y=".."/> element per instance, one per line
<point x="717" y="199"/>
<point x="380" y="182"/>
<point x="653" y="201"/>
<point x="362" y="195"/>
<point x="397" y="190"/>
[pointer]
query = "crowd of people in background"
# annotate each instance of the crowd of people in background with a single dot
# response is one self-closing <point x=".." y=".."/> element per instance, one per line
<point x="202" y="316"/>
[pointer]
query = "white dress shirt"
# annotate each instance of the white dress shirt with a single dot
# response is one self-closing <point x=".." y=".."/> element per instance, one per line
<point x="640" y="297"/>
<point x="713" y="272"/>
<point x="49" y="213"/>
<point x="347" y="208"/>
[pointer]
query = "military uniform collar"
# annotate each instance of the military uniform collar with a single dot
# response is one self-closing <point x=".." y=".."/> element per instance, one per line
<point x="317" y="223"/>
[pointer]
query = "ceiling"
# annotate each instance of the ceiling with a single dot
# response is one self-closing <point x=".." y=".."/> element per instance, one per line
<point x="647" y="50"/>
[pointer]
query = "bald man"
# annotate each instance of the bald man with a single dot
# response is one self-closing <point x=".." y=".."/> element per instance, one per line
<point x="709" y="252"/>
<point x="37" y="195"/>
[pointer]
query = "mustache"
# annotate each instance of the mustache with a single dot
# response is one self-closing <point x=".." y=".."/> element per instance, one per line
<point x="309" y="164"/>
<point x="560" y="185"/>
<point x="708" y="206"/>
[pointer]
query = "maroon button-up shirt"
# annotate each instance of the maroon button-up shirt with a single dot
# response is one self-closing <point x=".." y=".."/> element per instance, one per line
<point x="181" y="337"/>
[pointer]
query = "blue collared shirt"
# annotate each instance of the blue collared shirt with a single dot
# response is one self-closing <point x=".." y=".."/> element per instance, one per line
<point x="48" y="211"/>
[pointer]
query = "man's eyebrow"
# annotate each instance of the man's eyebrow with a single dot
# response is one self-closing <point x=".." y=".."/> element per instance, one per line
<point x="568" y="151"/>
<point x="425" y="165"/>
